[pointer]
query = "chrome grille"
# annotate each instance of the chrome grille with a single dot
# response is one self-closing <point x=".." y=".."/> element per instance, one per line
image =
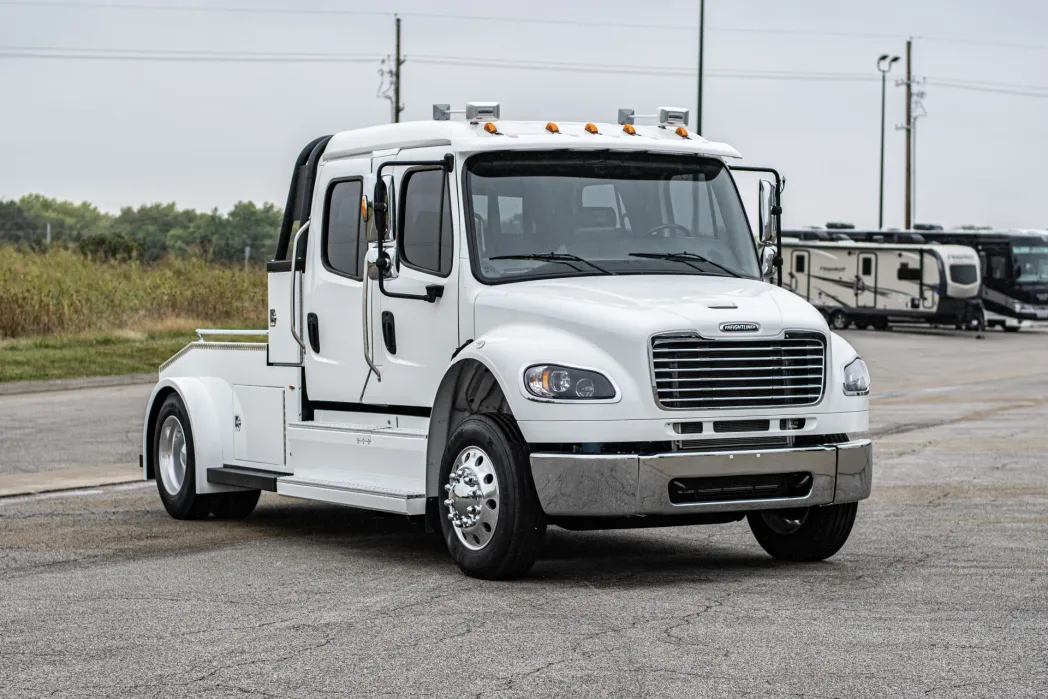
<point x="693" y="373"/>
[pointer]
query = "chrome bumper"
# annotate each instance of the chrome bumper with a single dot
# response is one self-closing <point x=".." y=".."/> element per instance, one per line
<point x="618" y="485"/>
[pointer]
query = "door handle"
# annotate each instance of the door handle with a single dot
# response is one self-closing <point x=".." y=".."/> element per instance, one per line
<point x="389" y="332"/>
<point x="313" y="331"/>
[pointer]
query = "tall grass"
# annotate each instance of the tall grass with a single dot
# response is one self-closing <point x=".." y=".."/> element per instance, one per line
<point x="62" y="292"/>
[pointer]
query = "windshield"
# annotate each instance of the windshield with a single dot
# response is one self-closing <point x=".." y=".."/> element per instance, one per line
<point x="1031" y="264"/>
<point x="591" y="213"/>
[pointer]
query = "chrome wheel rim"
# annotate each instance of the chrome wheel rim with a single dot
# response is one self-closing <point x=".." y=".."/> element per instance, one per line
<point x="473" y="498"/>
<point x="785" y="521"/>
<point x="171" y="455"/>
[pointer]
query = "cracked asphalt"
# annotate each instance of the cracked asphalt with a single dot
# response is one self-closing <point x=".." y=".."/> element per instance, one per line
<point x="942" y="590"/>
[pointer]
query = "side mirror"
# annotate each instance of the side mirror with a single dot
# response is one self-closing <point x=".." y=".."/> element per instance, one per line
<point x="768" y="217"/>
<point x="381" y="209"/>
<point x="768" y="255"/>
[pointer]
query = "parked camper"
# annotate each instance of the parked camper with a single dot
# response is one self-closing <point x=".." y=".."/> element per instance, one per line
<point x="874" y="284"/>
<point x="496" y="326"/>
<point x="1014" y="265"/>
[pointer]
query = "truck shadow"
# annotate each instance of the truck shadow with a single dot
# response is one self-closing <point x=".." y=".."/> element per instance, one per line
<point x="639" y="557"/>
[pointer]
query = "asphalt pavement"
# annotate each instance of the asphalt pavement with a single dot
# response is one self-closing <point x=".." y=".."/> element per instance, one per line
<point x="942" y="590"/>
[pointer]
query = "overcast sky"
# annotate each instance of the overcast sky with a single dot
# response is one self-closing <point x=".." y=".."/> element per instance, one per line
<point x="206" y="134"/>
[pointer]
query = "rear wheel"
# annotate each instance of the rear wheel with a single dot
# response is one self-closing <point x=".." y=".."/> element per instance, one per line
<point x="839" y="320"/>
<point x="804" y="533"/>
<point x="175" y="462"/>
<point x="234" y="505"/>
<point x="490" y="516"/>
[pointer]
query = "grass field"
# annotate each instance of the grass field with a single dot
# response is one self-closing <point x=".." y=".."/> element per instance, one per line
<point x="64" y="316"/>
<point x="101" y="355"/>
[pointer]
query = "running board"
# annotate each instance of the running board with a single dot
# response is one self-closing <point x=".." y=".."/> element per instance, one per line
<point x="243" y="477"/>
<point x="354" y="495"/>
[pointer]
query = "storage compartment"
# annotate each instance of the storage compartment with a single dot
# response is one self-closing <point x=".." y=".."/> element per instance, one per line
<point x="282" y="346"/>
<point x="258" y="424"/>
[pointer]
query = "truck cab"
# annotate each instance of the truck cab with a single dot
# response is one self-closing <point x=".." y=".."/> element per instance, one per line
<point x="495" y="327"/>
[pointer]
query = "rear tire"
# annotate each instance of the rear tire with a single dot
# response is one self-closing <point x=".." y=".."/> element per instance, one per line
<point x="175" y="462"/>
<point x="803" y="534"/>
<point x="234" y="505"/>
<point x="501" y="538"/>
<point x="839" y="320"/>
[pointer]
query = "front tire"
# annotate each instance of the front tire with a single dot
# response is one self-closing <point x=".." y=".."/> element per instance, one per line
<point x="839" y="320"/>
<point x="175" y="462"/>
<point x="803" y="534"/>
<point x="490" y="515"/>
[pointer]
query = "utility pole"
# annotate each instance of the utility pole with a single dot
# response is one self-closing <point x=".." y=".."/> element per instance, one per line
<point x="397" y="107"/>
<point x="702" y="33"/>
<point x="909" y="134"/>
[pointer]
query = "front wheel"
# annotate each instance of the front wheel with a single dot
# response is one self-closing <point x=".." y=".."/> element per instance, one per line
<point x="490" y="515"/>
<point x="805" y="533"/>
<point x="839" y="320"/>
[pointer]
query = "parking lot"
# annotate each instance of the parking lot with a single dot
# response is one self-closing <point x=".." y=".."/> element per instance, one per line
<point x="941" y="591"/>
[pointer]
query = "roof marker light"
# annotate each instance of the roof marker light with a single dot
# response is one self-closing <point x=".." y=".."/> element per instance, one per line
<point x="552" y="128"/>
<point x="592" y="128"/>
<point x="491" y="128"/>
<point x="630" y="129"/>
<point x="682" y="132"/>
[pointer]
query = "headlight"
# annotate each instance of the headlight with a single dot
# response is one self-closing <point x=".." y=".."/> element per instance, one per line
<point x="856" y="378"/>
<point x="565" y="383"/>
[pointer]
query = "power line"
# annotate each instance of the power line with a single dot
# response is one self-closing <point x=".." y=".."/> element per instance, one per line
<point x="189" y="8"/>
<point x="997" y="90"/>
<point x="175" y="55"/>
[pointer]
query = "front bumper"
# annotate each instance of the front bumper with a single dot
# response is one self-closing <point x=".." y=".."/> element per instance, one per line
<point x="622" y="485"/>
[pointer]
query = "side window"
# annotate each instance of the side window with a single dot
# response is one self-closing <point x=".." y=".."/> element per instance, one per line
<point x="798" y="264"/>
<point x="867" y="266"/>
<point x="909" y="274"/>
<point x="344" y="243"/>
<point x="426" y="240"/>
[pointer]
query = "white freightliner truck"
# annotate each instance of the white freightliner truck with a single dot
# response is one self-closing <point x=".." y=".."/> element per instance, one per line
<point x="497" y="326"/>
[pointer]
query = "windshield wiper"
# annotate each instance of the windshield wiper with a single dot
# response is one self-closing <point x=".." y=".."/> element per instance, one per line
<point x="687" y="258"/>
<point x="564" y="257"/>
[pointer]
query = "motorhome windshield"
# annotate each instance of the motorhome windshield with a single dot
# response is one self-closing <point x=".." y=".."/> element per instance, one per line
<point x="570" y="213"/>
<point x="1031" y="264"/>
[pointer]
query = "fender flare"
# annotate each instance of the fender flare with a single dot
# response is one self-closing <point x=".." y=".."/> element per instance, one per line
<point x="205" y="420"/>
<point x="441" y="422"/>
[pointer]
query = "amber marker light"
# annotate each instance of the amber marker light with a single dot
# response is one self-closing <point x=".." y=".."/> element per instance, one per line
<point x="592" y="128"/>
<point x="552" y="128"/>
<point x="628" y="128"/>
<point x="491" y="128"/>
<point x="682" y="132"/>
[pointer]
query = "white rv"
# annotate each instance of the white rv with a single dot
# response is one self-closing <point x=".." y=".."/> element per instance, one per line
<point x="873" y="284"/>
<point x="498" y="326"/>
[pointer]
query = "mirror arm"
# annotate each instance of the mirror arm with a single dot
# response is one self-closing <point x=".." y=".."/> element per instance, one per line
<point x="780" y="184"/>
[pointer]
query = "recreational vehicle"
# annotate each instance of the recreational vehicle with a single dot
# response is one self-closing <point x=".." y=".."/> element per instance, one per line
<point x="874" y="284"/>
<point x="1014" y="265"/>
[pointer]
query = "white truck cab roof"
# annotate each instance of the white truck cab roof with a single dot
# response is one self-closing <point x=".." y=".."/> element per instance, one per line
<point x="468" y="137"/>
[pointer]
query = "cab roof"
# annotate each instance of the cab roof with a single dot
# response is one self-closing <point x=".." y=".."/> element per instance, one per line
<point x="466" y="138"/>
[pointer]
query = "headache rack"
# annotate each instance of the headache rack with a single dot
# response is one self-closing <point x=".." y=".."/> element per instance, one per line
<point x="690" y="372"/>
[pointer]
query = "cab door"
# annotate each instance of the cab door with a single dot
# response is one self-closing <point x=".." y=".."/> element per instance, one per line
<point x="331" y="319"/>
<point x="866" y="280"/>
<point x="413" y="337"/>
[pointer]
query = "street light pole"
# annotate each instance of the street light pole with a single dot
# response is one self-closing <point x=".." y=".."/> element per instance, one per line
<point x="702" y="33"/>
<point x="884" y="65"/>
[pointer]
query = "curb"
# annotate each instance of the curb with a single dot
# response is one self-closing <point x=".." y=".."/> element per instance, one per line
<point x="19" y="387"/>
<point x="21" y="484"/>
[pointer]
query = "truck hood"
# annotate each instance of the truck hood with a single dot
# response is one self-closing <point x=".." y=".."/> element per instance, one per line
<point x="642" y="305"/>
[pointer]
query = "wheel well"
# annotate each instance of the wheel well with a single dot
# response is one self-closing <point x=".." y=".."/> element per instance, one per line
<point x="468" y="388"/>
<point x="154" y="410"/>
